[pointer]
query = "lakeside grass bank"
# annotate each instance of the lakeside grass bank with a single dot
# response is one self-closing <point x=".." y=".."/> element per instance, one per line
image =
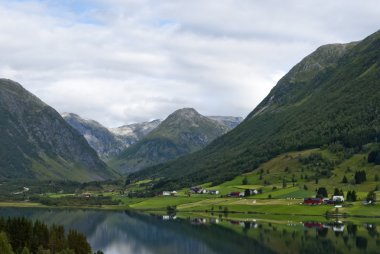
<point x="248" y="207"/>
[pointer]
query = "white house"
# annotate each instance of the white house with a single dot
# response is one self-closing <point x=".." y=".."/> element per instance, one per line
<point x="338" y="198"/>
<point x="214" y="192"/>
<point x="166" y="193"/>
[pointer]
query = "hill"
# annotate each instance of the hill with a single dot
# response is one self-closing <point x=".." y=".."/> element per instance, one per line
<point x="37" y="143"/>
<point x="331" y="96"/>
<point x="183" y="132"/>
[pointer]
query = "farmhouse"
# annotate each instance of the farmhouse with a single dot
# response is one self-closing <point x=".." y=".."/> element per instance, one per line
<point x="236" y="194"/>
<point x="166" y="193"/>
<point x="198" y="190"/>
<point x="338" y="198"/>
<point x="214" y="192"/>
<point x="312" y="201"/>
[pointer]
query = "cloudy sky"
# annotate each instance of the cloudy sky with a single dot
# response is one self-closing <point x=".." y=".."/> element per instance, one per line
<point x="124" y="61"/>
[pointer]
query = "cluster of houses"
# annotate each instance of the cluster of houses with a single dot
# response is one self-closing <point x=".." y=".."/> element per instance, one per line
<point x="328" y="201"/>
<point x="249" y="192"/>
<point x="169" y="193"/>
<point x="200" y="190"/>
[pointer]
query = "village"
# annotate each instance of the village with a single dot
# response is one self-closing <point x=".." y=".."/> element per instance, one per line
<point x="200" y="190"/>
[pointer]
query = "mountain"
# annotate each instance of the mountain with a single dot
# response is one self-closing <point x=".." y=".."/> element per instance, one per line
<point x="37" y="143"/>
<point x="109" y="143"/>
<point x="230" y="121"/>
<point x="183" y="132"/>
<point x="98" y="137"/>
<point x="331" y="96"/>
<point x="130" y="134"/>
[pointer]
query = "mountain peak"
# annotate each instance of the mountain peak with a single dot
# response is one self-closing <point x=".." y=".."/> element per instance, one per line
<point x="182" y="132"/>
<point x="185" y="112"/>
<point x="298" y="83"/>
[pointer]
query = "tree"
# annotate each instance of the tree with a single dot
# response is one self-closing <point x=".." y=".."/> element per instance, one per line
<point x="78" y="242"/>
<point x="360" y="176"/>
<point x="371" y="197"/>
<point x="57" y="240"/>
<point x="40" y="236"/>
<point x="42" y="251"/>
<point x="5" y="246"/>
<point x="284" y="183"/>
<point x="338" y="192"/>
<point x="351" y="196"/>
<point x="322" y="192"/>
<point x="245" y="181"/>
<point x="25" y="251"/>
<point x="344" y="180"/>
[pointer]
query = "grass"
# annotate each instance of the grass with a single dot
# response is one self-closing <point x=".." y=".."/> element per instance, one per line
<point x="163" y="202"/>
<point x="21" y="204"/>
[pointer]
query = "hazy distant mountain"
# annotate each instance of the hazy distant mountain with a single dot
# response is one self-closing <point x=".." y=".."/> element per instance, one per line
<point x="183" y="132"/>
<point x="230" y="121"/>
<point x="130" y="134"/>
<point x="109" y="142"/>
<point x="331" y="96"/>
<point x="36" y="142"/>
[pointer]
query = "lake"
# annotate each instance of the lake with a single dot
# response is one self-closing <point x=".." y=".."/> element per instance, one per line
<point x="128" y="232"/>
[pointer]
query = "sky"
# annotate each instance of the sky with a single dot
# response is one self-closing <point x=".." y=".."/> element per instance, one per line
<point x="126" y="61"/>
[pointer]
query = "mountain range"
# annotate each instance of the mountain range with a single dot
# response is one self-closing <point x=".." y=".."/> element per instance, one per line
<point x="37" y="143"/>
<point x="109" y="143"/>
<point x="331" y="96"/>
<point x="130" y="147"/>
<point x="184" y="131"/>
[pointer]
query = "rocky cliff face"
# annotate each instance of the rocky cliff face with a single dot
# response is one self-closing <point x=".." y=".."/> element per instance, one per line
<point x="183" y="132"/>
<point x="36" y="142"/>
<point x="130" y="134"/>
<point x="109" y="143"/>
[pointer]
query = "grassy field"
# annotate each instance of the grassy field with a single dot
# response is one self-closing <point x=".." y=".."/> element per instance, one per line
<point x="284" y="182"/>
<point x="286" y="176"/>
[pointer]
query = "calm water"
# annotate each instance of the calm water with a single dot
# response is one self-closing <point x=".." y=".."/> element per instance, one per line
<point x="124" y="233"/>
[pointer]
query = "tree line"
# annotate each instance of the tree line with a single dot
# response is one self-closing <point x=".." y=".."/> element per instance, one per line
<point x="23" y="236"/>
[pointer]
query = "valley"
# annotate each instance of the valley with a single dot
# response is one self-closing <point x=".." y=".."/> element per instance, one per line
<point x="307" y="157"/>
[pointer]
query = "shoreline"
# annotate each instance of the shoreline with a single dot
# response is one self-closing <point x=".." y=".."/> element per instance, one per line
<point x="328" y="215"/>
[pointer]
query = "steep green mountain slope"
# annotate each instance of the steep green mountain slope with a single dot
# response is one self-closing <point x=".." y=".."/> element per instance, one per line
<point x="331" y="95"/>
<point x="36" y="142"/>
<point x="183" y="132"/>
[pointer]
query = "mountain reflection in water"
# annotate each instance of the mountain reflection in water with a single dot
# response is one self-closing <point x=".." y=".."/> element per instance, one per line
<point x="126" y="232"/>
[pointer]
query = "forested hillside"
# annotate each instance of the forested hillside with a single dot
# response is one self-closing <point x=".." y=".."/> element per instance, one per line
<point x="332" y="95"/>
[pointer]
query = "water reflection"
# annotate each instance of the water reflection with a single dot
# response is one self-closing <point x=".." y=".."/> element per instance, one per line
<point x="124" y="232"/>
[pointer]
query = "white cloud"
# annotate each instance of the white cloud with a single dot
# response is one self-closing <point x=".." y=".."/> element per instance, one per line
<point x="122" y="61"/>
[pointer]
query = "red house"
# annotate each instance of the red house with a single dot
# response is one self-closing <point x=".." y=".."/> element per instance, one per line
<point x="313" y="201"/>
